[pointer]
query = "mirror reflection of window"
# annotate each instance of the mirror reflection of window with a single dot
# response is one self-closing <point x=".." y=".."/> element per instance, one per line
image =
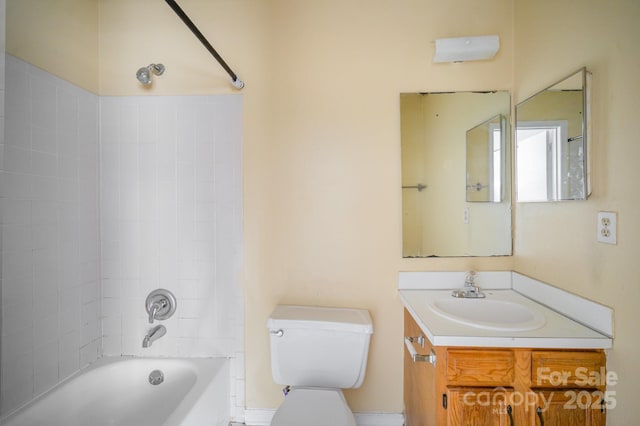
<point x="531" y="178"/>
<point x="552" y="142"/>
<point x="542" y="161"/>
<point x="495" y="190"/>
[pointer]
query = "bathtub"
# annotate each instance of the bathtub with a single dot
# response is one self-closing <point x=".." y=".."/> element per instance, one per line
<point x="117" y="391"/>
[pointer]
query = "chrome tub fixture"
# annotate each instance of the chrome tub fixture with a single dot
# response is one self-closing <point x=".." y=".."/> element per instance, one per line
<point x="160" y="304"/>
<point x="144" y="74"/>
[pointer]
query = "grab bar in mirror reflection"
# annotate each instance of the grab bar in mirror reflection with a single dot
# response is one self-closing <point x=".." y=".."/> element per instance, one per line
<point x="419" y="187"/>
<point x="477" y="186"/>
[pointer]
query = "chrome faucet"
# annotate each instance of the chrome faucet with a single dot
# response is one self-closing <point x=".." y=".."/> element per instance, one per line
<point x="155" y="307"/>
<point x="471" y="290"/>
<point x="160" y="304"/>
<point x="154" y="334"/>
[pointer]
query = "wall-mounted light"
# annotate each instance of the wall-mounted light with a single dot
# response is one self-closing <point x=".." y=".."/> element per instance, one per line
<point x="461" y="49"/>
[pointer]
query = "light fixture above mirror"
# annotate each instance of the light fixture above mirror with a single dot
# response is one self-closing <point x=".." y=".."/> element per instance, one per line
<point x="462" y="49"/>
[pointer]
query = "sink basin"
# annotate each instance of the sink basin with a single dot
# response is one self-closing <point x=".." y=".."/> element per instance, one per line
<point x="489" y="314"/>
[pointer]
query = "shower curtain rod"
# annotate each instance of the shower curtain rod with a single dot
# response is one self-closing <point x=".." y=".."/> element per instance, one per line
<point x="237" y="83"/>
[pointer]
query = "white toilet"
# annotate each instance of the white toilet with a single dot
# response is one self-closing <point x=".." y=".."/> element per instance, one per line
<point x="318" y="351"/>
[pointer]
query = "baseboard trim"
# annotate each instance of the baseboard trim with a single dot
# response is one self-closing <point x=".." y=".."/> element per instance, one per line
<point x="379" y="419"/>
<point x="258" y="417"/>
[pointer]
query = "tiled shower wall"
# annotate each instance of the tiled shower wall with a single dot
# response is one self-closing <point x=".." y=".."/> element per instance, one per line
<point x="50" y="251"/>
<point x="94" y="217"/>
<point x="171" y="217"/>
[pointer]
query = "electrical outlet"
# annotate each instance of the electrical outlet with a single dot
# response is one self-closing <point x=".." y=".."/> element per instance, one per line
<point x="607" y="227"/>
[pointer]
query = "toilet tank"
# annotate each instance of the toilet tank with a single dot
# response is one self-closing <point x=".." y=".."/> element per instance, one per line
<point x="319" y="346"/>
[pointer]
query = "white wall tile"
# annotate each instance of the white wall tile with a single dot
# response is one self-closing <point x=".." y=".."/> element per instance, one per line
<point x="89" y="353"/>
<point x="67" y="122"/>
<point x="69" y="354"/>
<point x="167" y="188"/>
<point x="43" y="101"/>
<point x="70" y="320"/>
<point x="42" y="138"/>
<point x="165" y="172"/>
<point x="112" y="345"/>
<point x="44" y="164"/>
<point x="16" y="212"/>
<point x="42" y="268"/>
<point x="112" y="325"/>
<point x="45" y="367"/>
<point x="17" y="375"/>
<point x="17" y="159"/>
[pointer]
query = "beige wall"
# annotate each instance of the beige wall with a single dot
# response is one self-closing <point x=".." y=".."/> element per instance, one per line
<point x="556" y="242"/>
<point x="321" y="147"/>
<point x="322" y="198"/>
<point x="60" y="36"/>
<point x="330" y="220"/>
<point x="413" y="152"/>
<point x="136" y="33"/>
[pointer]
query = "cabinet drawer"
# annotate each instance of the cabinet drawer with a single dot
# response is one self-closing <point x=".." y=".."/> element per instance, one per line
<point x="480" y="367"/>
<point x="567" y="369"/>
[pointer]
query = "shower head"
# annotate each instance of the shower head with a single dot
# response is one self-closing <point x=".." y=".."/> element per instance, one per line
<point x="144" y="74"/>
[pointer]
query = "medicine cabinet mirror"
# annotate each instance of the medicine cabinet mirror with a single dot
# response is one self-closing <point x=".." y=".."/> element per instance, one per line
<point x="552" y="161"/>
<point x="455" y="174"/>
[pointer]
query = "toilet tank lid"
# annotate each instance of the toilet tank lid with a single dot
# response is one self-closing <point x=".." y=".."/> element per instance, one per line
<point x="320" y="318"/>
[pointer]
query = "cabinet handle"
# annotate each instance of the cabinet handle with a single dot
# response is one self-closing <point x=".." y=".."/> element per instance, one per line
<point x="539" y="413"/>
<point x="431" y="358"/>
<point x="510" y="414"/>
<point x="419" y="340"/>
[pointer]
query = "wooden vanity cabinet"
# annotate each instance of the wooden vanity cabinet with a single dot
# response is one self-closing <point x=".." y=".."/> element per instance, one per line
<point x="571" y="385"/>
<point x="501" y="386"/>
<point x="558" y="412"/>
<point x="421" y="399"/>
<point x="479" y="406"/>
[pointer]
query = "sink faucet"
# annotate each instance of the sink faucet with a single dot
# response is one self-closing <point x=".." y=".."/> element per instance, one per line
<point x="154" y="334"/>
<point x="471" y="290"/>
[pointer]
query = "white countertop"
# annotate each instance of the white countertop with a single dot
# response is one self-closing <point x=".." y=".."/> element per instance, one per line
<point x="559" y="331"/>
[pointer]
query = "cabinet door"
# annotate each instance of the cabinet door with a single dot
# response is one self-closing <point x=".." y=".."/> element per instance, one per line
<point x="563" y="407"/>
<point x="419" y="382"/>
<point x="567" y="369"/>
<point x="480" y="407"/>
<point x="480" y="367"/>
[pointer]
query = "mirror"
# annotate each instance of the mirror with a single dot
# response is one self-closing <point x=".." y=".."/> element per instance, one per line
<point x="485" y="160"/>
<point x="552" y="142"/>
<point x="437" y="219"/>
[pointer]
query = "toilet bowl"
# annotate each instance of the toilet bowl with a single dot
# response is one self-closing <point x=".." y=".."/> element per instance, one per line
<point x="318" y="351"/>
<point x="314" y="407"/>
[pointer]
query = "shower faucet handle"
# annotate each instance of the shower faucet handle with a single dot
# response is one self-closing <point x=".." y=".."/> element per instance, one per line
<point x="160" y="304"/>
<point x="155" y="307"/>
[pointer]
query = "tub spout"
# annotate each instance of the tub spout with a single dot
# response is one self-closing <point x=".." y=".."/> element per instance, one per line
<point x="154" y="334"/>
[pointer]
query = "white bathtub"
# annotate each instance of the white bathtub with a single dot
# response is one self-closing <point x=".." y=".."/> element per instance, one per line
<point x="116" y="391"/>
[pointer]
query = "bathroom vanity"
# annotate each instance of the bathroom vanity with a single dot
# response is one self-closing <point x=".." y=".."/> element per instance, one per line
<point x="515" y="362"/>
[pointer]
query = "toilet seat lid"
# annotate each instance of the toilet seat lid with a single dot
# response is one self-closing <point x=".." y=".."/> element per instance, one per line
<point x="314" y="407"/>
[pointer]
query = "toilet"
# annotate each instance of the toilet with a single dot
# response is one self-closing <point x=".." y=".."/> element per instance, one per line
<point x="316" y="352"/>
